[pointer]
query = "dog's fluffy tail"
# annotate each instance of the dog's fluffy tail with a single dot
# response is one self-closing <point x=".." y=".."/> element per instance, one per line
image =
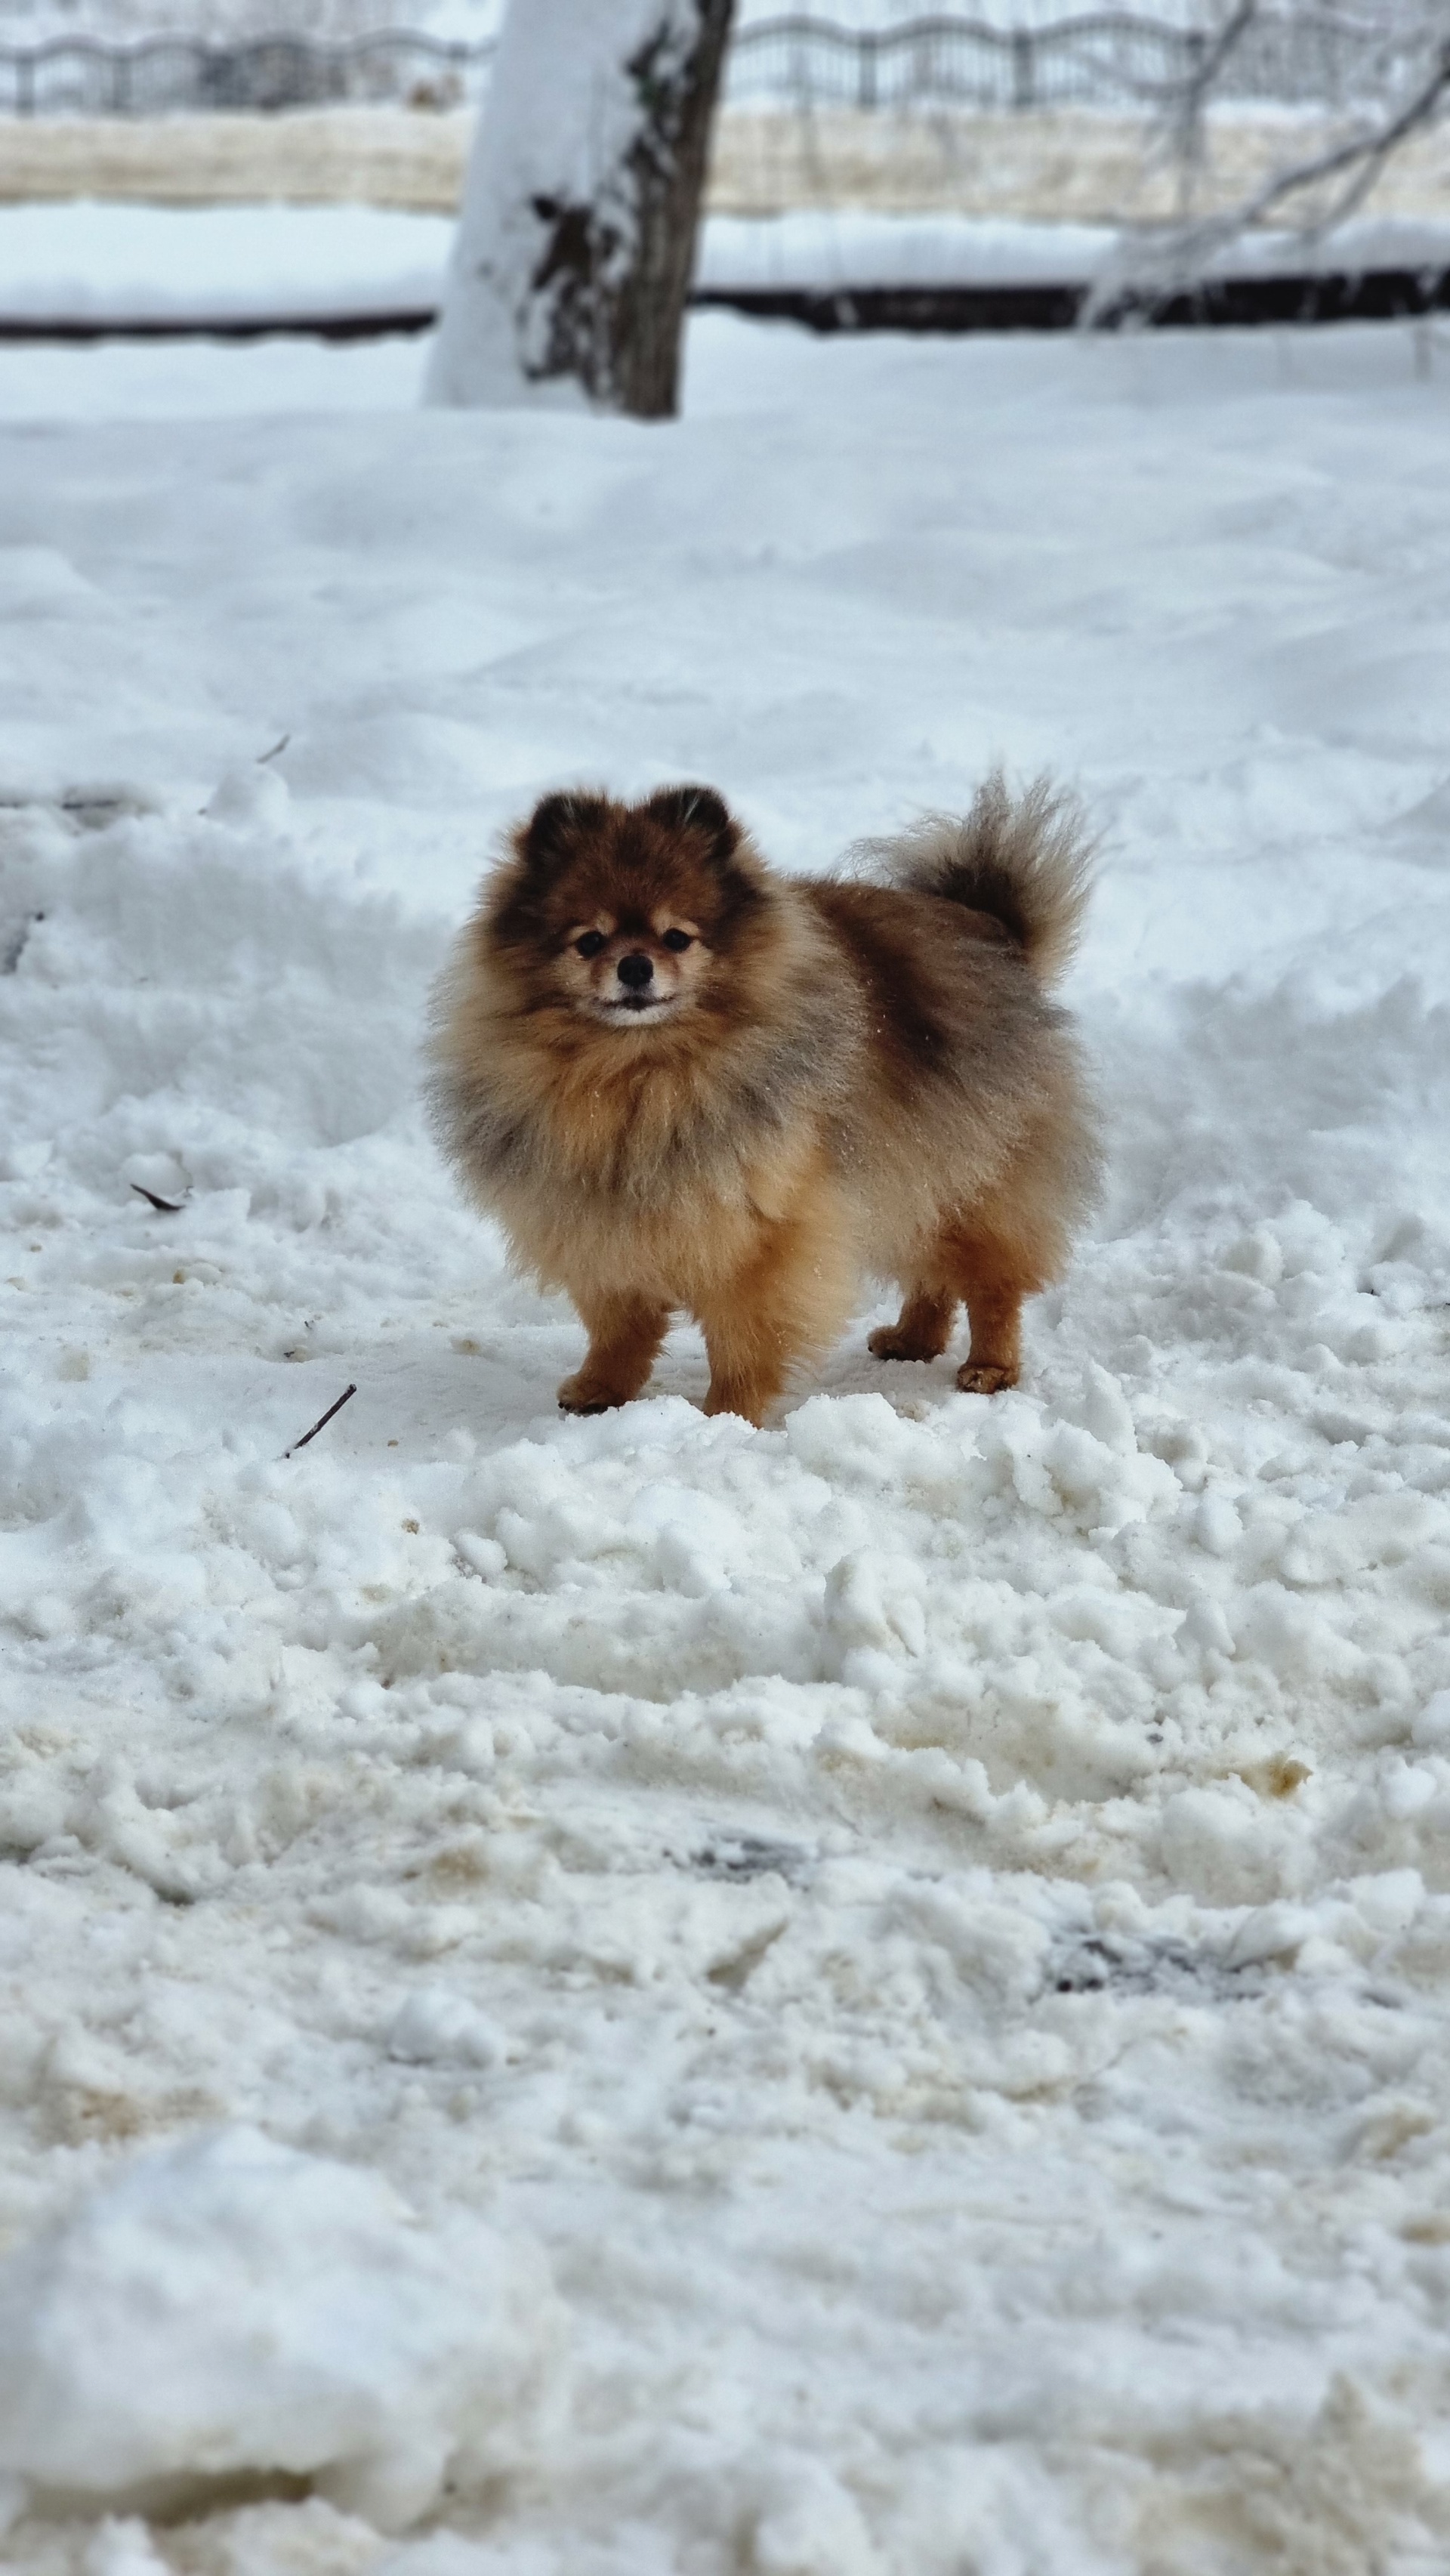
<point x="1026" y="861"/>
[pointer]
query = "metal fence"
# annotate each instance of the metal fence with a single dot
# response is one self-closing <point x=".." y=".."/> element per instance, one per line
<point x="1109" y="60"/>
<point x="959" y="62"/>
<point x="163" y="75"/>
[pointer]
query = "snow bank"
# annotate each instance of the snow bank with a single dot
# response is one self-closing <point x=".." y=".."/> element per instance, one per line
<point x="232" y="2305"/>
<point x="87" y="262"/>
<point x="132" y="263"/>
<point x="854" y="248"/>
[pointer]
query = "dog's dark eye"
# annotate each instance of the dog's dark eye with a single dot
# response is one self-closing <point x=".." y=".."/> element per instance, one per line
<point x="590" y="944"/>
<point x="677" y="939"/>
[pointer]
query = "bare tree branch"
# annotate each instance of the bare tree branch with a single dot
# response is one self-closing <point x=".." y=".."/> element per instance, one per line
<point x="1155" y="261"/>
<point x="1188" y="108"/>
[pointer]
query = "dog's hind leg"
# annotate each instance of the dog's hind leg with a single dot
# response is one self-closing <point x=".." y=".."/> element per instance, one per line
<point x="990" y="1272"/>
<point x="994" y="1271"/>
<point x="625" y="1334"/>
<point x="1011" y="1246"/>
<point x="923" y="1328"/>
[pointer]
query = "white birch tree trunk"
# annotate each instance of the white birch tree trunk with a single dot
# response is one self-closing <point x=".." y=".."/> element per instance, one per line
<point x="576" y="239"/>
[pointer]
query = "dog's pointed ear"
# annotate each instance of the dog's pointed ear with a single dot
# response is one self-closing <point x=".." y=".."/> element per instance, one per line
<point x="700" y="810"/>
<point x="558" y="826"/>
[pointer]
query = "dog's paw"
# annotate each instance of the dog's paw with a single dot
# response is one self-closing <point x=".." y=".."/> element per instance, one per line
<point x="585" y="1394"/>
<point x="889" y="1342"/>
<point x="974" y="1379"/>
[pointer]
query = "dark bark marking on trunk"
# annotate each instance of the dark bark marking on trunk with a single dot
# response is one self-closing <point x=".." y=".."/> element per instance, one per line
<point x="613" y="275"/>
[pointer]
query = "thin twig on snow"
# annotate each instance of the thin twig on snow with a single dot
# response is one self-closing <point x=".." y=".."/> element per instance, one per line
<point x="321" y="1423"/>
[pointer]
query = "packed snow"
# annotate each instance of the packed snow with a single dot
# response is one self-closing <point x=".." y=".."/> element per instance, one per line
<point x="612" y="1997"/>
<point x="144" y="2339"/>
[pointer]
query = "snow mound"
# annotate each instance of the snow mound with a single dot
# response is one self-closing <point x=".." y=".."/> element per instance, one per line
<point x="232" y="2305"/>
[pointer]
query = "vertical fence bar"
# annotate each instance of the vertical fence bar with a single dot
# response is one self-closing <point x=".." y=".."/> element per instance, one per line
<point x="1024" y="68"/>
<point x="865" y="69"/>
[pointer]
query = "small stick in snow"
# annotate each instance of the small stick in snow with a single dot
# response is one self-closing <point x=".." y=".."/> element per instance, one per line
<point x="168" y="1207"/>
<point x="321" y="1423"/>
<point x="264" y="756"/>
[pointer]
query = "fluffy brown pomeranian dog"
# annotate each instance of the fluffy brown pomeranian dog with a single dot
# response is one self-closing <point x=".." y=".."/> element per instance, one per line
<point x="682" y="1082"/>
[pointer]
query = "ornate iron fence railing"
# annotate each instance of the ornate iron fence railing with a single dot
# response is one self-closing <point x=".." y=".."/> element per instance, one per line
<point x="1114" y="58"/>
<point x="1110" y="57"/>
<point x="163" y="75"/>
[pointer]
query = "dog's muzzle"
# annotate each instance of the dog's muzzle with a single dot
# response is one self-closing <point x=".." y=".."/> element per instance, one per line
<point x="636" y="973"/>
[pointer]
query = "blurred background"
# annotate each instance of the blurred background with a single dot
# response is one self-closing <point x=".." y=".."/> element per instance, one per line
<point x="1023" y="111"/>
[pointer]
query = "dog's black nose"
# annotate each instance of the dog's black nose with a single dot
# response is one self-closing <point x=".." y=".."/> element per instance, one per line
<point x="636" y="970"/>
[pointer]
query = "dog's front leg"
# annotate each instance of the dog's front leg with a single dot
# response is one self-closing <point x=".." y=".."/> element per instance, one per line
<point x="749" y="1358"/>
<point x="783" y="1305"/>
<point x="625" y="1334"/>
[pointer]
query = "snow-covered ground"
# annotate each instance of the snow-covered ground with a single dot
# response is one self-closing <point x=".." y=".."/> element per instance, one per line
<point x="639" y="1997"/>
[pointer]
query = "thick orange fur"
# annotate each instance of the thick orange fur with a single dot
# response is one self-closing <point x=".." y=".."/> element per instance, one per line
<point x="684" y="1083"/>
